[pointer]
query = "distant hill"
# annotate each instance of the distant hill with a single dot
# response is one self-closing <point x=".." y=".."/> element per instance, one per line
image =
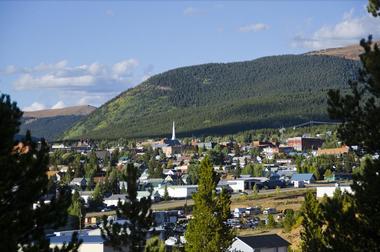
<point x="74" y="110"/>
<point x="348" y="52"/>
<point x="224" y="98"/>
<point x="51" y="123"/>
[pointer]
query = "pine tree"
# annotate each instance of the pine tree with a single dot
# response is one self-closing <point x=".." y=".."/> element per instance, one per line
<point x="327" y="174"/>
<point x="311" y="233"/>
<point x="374" y="7"/>
<point x="255" y="191"/>
<point x="288" y="220"/>
<point x="360" y="113"/>
<point x="76" y="210"/>
<point x="97" y="195"/>
<point x="23" y="182"/>
<point x="166" y="193"/>
<point x="207" y="230"/>
<point x="123" y="190"/>
<point x="154" y="244"/>
<point x="138" y="215"/>
<point x="271" y="222"/>
<point x="352" y="222"/>
<point x="237" y="171"/>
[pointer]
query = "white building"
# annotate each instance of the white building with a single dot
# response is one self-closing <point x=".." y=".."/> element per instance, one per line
<point x="242" y="184"/>
<point x="114" y="199"/>
<point x="91" y="242"/>
<point x="85" y="195"/>
<point x="329" y="190"/>
<point x="145" y="194"/>
<point x="262" y="243"/>
<point x="179" y="192"/>
<point x="80" y="182"/>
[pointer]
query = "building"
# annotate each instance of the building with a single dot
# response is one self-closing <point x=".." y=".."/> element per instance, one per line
<point x="114" y="199"/>
<point x="259" y="243"/>
<point x="333" y="151"/>
<point x="163" y="217"/>
<point x="90" y="242"/>
<point x="94" y="218"/>
<point x="85" y="195"/>
<point x="329" y="190"/>
<point x="205" y="145"/>
<point x="172" y="150"/>
<point x="307" y="178"/>
<point x="179" y="191"/>
<point x="154" y="196"/>
<point x="305" y="143"/>
<point x="261" y="145"/>
<point x="244" y="183"/>
<point x="80" y="182"/>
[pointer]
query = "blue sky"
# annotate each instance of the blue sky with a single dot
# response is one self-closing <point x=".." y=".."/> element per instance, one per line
<point x="57" y="54"/>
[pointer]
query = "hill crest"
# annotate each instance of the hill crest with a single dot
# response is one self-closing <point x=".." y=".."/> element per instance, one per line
<point x="73" y="110"/>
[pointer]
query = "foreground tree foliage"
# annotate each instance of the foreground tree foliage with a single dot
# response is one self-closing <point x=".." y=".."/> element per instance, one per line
<point x="374" y="7"/>
<point x="131" y="235"/>
<point x="207" y="230"/>
<point x="23" y="182"/>
<point x="352" y="222"/>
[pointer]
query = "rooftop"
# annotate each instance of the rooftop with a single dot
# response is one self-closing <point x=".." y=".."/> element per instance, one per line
<point x="97" y="239"/>
<point x="302" y="176"/>
<point x="264" y="241"/>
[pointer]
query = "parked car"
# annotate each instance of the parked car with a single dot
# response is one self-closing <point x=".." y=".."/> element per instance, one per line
<point x="269" y="210"/>
<point x="252" y="210"/>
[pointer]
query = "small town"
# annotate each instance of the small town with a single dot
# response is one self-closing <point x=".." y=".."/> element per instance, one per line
<point x="266" y="180"/>
<point x="190" y="126"/>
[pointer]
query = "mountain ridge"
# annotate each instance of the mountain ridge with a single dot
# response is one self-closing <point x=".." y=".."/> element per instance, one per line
<point x="221" y="98"/>
<point x="72" y="110"/>
<point x="348" y="52"/>
<point x="51" y="123"/>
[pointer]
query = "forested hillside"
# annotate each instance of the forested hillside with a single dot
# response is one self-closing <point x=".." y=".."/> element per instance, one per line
<point x="51" y="123"/>
<point x="49" y="128"/>
<point x="222" y="98"/>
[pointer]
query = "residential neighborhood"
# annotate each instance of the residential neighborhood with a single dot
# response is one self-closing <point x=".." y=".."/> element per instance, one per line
<point x="168" y="176"/>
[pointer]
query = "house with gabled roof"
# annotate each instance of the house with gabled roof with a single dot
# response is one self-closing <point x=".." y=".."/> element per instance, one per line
<point x="256" y="243"/>
<point x="307" y="178"/>
<point x="79" y="182"/>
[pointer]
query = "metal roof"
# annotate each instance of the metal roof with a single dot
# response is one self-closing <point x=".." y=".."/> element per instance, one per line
<point x="264" y="241"/>
<point x="302" y="176"/>
<point x="85" y="238"/>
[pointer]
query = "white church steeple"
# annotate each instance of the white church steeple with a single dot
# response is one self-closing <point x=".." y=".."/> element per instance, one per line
<point x="173" y="132"/>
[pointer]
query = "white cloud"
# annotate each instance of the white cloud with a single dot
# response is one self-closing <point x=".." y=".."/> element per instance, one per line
<point x="124" y="67"/>
<point x="254" y="27"/>
<point x="42" y="67"/>
<point x="191" y="11"/>
<point x="11" y="69"/>
<point x="92" y="77"/>
<point x="35" y="106"/>
<point x="59" y="105"/>
<point x="92" y="100"/>
<point x="27" y="81"/>
<point x="348" y="31"/>
<point x="92" y="83"/>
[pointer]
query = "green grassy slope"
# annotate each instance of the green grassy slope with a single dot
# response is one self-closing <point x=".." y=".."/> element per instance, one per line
<point x="222" y="98"/>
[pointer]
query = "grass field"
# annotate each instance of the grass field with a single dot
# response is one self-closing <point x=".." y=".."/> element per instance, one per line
<point x="284" y="199"/>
